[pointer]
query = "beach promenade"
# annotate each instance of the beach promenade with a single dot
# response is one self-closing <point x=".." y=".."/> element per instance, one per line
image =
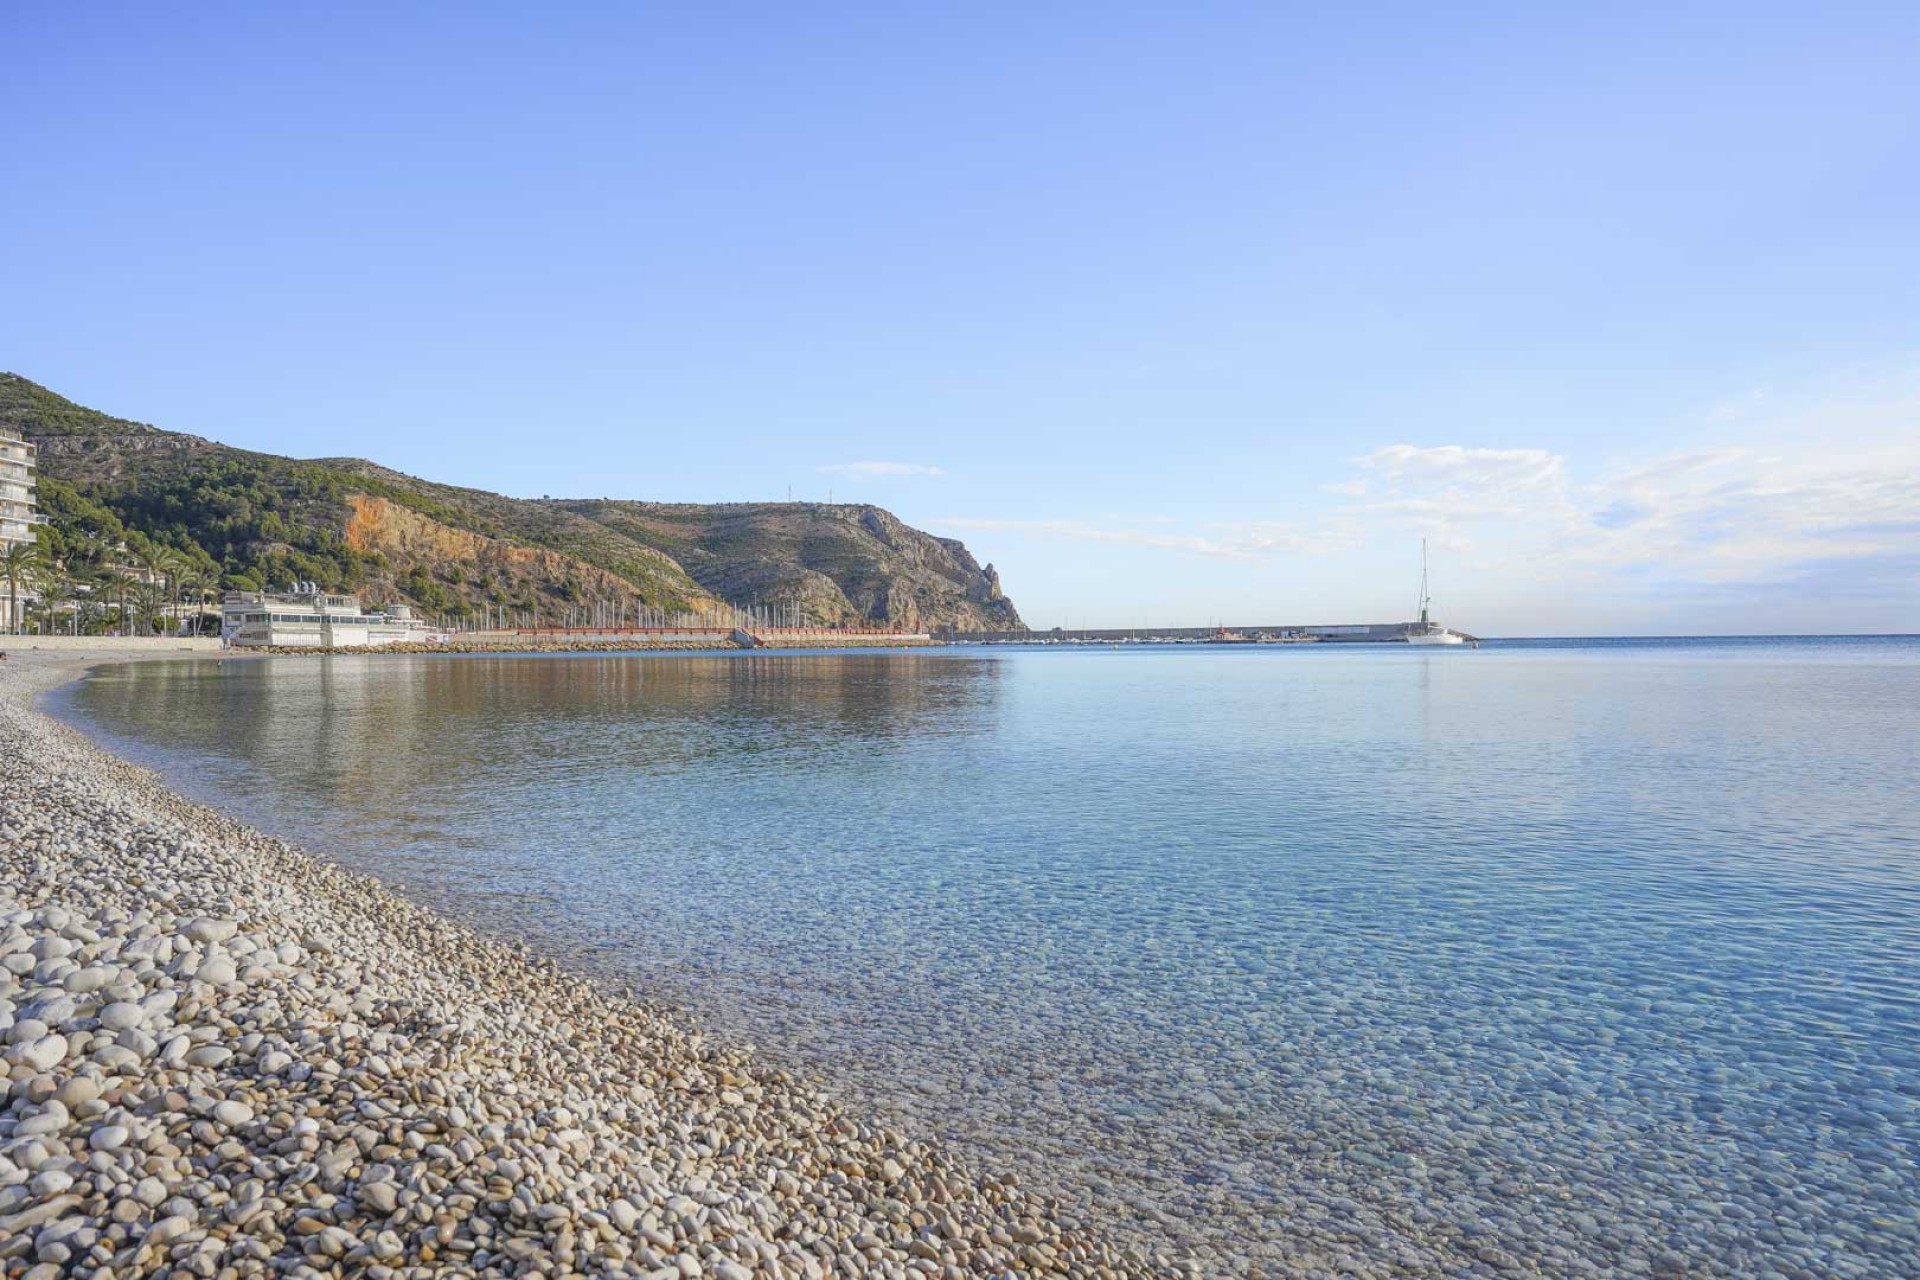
<point x="225" y="1057"/>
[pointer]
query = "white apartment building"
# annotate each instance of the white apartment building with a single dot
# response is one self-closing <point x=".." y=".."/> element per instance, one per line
<point x="17" y="512"/>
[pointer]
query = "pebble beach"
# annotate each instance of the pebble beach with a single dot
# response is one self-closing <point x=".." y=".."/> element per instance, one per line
<point x="226" y="1057"/>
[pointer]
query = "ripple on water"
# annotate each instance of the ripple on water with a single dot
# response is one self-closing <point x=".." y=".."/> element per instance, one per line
<point x="1577" y="958"/>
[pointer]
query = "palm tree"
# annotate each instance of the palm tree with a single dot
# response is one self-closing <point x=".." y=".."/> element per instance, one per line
<point x="50" y="578"/>
<point x="17" y="565"/>
<point x="89" y="608"/>
<point x="151" y="595"/>
<point x="156" y="562"/>
<point x="77" y="586"/>
<point x="176" y="566"/>
<point x="113" y="584"/>
<point x="192" y="581"/>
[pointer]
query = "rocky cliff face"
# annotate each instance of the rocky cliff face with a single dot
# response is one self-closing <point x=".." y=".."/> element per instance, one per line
<point x="841" y="563"/>
<point x="353" y="524"/>
<point x="408" y="543"/>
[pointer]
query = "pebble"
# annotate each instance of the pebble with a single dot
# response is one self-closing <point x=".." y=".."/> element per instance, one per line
<point x="381" y="1197"/>
<point x="230" y="1059"/>
<point x="121" y="1015"/>
<point x="218" y="970"/>
<point x="41" y="1053"/>
<point x="108" y="1137"/>
<point x="232" y="1114"/>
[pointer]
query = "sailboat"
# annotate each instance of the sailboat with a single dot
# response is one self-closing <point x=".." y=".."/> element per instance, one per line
<point x="1427" y="631"/>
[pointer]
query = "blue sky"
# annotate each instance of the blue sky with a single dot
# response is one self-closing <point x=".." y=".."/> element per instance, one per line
<point x="1174" y="312"/>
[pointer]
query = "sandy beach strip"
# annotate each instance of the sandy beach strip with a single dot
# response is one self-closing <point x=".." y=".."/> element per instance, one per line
<point x="227" y="1057"/>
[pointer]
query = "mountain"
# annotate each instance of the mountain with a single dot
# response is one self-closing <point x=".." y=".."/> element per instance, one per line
<point x="258" y="519"/>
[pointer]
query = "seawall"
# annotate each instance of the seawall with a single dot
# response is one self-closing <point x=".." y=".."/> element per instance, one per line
<point x="1320" y="633"/>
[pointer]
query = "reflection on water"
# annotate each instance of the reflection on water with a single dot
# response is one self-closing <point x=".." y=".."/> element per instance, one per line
<point x="1584" y="958"/>
<point x="366" y="748"/>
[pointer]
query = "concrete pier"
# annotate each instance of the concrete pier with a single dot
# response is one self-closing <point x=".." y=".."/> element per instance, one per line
<point x="1310" y="633"/>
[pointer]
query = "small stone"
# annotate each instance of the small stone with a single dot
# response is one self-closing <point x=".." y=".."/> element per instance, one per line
<point x="47" y="1051"/>
<point x="77" y="1091"/>
<point x="82" y="981"/>
<point x="108" y="1137"/>
<point x="121" y="1015"/>
<point x="118" y="1058"/>
<point x="50" y="1182"/>
<point x="232" y="1114"/>
<point x="335" y="1242"/>
<point x="26" y="1030"/>
<point x="209" y="1055"/>
<point x="205" y="930"/>
<point x="217" y="969"/>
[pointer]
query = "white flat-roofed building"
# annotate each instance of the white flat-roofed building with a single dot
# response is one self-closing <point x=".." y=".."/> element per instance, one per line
<point x="307" y="618"/>
<point x="18" y="513"/>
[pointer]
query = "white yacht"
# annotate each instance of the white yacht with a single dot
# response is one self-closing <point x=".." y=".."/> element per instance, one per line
<point x="1427" y="631"/>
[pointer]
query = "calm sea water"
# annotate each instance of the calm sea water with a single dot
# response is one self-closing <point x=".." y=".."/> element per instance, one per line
<point x="1586" y="957"/>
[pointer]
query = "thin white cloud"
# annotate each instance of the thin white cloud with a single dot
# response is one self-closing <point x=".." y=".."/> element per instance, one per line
<point x="1821" y="497"/>
<point x="1446" y="485"/>
<point x="1705" y="516"/>
<point x="1457" y="467"/>
<point x="881" y="469"/>
<point x="1715" y="516"/>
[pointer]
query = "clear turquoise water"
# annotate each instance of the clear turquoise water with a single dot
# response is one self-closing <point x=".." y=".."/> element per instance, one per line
<point x="1589" y="958"/>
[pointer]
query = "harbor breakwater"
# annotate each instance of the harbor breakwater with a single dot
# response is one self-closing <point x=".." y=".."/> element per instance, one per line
<point x="225" y="1057"/>
<point x="1309" y="633"/>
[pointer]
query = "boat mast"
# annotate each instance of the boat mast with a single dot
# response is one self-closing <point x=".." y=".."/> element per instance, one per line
<point x="1424" y="598"/>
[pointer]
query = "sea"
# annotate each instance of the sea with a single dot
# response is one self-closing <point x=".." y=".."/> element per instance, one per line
<point x="1579" y="957"/>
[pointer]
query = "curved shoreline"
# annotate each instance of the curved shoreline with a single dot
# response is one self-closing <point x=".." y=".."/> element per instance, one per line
<point x="254" y="1057"/>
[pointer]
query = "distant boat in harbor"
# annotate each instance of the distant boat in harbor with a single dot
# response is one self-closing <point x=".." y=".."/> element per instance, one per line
<point x="1426" y="631"/>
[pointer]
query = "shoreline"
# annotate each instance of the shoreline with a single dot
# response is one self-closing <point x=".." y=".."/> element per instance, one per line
<point x="251" y="1054"/>
<point x="143" y="647"/>
<point x="608" y="646"/>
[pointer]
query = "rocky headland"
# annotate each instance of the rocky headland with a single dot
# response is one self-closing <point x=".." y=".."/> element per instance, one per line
<point x="456" y="554"/>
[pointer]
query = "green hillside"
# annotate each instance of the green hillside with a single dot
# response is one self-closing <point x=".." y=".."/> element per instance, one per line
<point x="112" y="487"/>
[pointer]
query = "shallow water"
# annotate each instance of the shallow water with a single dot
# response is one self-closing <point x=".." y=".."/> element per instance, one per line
<point x="1586" y="957"/>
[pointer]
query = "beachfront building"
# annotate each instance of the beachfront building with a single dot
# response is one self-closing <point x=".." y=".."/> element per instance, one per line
<point x="308" y="618"/>
<point x="18" y="513"/>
